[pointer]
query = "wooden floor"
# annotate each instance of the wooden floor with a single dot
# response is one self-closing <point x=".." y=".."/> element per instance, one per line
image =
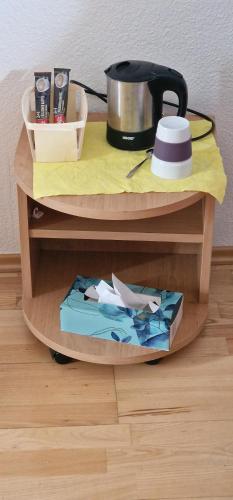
<point x="93" y="432"/>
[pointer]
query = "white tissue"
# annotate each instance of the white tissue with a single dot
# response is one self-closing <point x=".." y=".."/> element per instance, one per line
<point x="121" y="295"/>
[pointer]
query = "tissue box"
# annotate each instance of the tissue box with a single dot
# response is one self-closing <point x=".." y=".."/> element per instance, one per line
<point x="119" y="324"/>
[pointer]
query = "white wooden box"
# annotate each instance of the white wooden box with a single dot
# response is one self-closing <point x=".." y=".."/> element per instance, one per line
<point x="56" y="142"/>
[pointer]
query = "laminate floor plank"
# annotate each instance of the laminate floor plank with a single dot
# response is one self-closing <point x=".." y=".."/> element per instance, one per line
<point x="17" y="344"/>
<point x="10" y="290"/>
<point x="47" y="394"/>
<point x="43" y="463"/>
<point x="101" y="486"/>
<point x="36" y="439"/>
<point x="181" y="388"/>
<point x="183" y="483"/>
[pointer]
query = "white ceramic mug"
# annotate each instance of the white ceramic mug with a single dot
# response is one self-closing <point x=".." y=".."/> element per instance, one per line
<point x="172" y="155"/>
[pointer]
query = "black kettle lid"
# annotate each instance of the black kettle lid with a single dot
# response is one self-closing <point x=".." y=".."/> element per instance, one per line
<point x="136" y="71"/>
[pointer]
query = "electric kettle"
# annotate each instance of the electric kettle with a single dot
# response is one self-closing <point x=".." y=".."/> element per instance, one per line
<point x="135" y="101"/>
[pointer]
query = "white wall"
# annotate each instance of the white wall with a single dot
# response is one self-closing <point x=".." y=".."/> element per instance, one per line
<point x="193" y="36"/>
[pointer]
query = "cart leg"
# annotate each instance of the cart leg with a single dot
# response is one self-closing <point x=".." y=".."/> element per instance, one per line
<point x="206" y="251"/>
<point x="60" y="358"/>
<point x="153" y="361"/>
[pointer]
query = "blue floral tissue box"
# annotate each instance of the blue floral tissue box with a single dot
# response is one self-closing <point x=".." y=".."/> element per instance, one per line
<point x="120" y="324"/>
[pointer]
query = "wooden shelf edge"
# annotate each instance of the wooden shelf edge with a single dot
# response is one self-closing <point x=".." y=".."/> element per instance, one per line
<point x="179" y="342"/>
<point x="102" y="214"/>
<point x="108" y="235"/>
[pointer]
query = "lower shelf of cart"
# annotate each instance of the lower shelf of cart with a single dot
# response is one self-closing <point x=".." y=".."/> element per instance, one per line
<point x="57" y="270"/>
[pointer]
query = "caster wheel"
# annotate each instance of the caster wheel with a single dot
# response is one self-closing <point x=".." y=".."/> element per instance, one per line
<point x="153" y="362"/>
<point x="60" y="358"/>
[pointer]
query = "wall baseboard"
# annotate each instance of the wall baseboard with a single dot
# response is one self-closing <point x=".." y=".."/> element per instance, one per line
<point x="222" y="255"/>
<point x="11" y="262"/>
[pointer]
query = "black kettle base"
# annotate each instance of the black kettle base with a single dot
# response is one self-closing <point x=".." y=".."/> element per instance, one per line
<point x="131" y="141"/>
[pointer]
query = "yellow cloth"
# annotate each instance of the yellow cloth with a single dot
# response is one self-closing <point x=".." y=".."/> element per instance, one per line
<point x="103" y="169"/>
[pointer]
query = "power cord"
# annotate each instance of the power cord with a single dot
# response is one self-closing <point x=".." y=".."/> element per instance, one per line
<point x="90" y="91"/>
<point x="103" y="98"/>
<point x="197" y="113"/>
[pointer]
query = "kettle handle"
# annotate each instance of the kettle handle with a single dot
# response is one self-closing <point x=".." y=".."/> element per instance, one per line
<point x="174" y="82"/>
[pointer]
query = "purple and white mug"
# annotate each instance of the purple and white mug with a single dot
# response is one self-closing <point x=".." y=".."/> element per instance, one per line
<point x="172" y="155"/>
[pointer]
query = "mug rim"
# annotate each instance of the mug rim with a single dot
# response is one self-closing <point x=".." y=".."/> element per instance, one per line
<point x="174" y="123"/>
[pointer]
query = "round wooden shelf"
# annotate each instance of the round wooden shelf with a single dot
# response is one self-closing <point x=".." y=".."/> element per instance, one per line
<point x="124" y="206"/>
<point x="57" y="270"/>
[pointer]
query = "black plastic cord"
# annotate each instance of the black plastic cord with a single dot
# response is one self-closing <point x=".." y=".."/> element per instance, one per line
<point x="90" y="91"/>
<point x="197" y="113"/>
<point x="103" y="98"/>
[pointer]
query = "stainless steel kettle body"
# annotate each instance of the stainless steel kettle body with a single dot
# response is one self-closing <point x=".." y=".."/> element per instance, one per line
<point x="129" y="106"/>
<point x="135" y="95"/>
